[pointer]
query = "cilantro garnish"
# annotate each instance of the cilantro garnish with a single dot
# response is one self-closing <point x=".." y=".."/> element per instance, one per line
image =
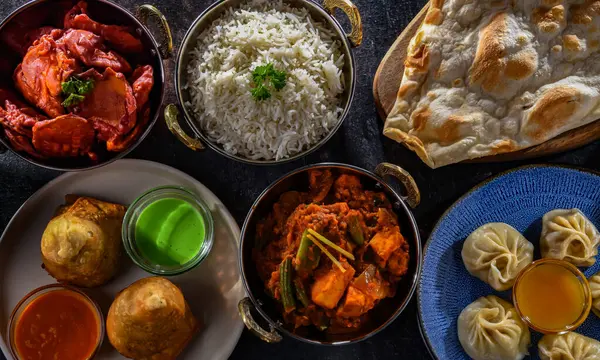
<point x="266" y="76"/>
<point x="75" y="90"/>
<point x="260" y="93"/>
<point x="73" y="99"/>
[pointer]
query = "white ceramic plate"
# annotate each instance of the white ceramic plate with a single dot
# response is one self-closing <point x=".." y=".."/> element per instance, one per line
<point x="212" y="290"/>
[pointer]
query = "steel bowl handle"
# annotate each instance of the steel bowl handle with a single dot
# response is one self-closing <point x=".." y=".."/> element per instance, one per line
<point x="147" y="12"/>
<point x="356" y="35"/>
<point x="172" y="120"/>
<point x="244" y="307"/>
<point x="413" y="195"/>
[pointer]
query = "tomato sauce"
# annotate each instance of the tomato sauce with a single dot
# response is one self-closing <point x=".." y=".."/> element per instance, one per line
<point x="60" y="324"/>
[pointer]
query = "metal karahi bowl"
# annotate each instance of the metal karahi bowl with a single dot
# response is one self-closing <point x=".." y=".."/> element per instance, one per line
<point x="319" y="13"/>
<point x="385" y="312"/>
<point x="39" y="13"/>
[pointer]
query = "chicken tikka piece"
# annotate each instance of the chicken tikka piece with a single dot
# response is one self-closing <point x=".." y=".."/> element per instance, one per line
<point x="90" y="50"/>
<point x="40" y="76"/>
<point x="110" y="106"/>
<point x="367" y="254"/>
<point x="84" y="91"/>
<point x="118" y="36"/>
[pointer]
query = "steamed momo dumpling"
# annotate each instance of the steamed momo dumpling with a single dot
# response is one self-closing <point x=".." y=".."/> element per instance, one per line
<point x="595" y="289"/>
<point x="568" y="235"/>
<point x="496" y="253"/>
<point x="570" y="346"/>
<point x="491" y="329"/>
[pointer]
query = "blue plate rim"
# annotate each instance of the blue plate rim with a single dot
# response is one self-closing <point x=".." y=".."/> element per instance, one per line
<point x="482" y="184"/>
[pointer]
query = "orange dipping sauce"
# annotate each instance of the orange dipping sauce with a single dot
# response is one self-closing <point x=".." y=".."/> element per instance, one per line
<point x="59" y="324"/>
<point x="552" y="296"/>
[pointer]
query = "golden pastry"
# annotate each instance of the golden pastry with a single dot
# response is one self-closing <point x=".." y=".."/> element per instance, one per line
<point x="150" y="320"/>
<point x="82" y="243"/>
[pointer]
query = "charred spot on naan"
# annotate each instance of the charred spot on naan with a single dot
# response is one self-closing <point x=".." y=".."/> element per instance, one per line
<point x="552" y="112"/>
<point x="420" y="117"/>
<point x="449" y="132"/>
<point x="575" y="49"/>
<point x="584" y="14"/>
<point x="418" y="60"/>
<point x="434" y="14"/>
<point x="556" y="49"/>
<point x="494" y="65"/>
<point x="521" y="65"/>
<point x="503" y="146"/>
<point x="444" y="133"/>
<point x="550" y="20"/>
<point x="571" y="42"/>
<point x="407" y="89"/>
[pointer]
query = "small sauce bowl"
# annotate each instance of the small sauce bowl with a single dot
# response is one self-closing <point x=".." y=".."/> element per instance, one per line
<point x="72" y="315"/>
<point x="552" y="296"/>
<point x="173" y="236"/>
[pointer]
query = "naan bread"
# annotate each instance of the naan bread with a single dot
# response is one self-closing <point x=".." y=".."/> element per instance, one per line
<point x="485" y="77"/>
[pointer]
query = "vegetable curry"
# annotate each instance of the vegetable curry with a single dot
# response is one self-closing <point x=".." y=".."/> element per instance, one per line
<point x="329" y="255"/>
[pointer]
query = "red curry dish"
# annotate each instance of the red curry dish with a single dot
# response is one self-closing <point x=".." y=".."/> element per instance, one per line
<point x="330" y="255"/>
<point x="74" y="88"/>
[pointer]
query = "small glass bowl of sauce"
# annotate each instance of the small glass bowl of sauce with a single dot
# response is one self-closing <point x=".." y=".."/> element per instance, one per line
<point x="56" y="322"/>
<point x="552" y="296"/>
<point x="168" y="231"/>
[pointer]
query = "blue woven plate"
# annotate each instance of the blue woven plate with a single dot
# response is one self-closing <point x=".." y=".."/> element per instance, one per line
<point x="519" y="198"/>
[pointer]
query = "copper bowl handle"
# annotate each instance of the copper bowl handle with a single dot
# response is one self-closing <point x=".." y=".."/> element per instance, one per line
<point x="356" y="35"/>
<point x="172" y="120"/>
<point x="413" y="195"/>
<point x="146" y="13"/>
<point x="244" y="307"/>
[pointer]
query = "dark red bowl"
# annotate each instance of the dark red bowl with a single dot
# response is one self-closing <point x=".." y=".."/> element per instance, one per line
<point x="39" y="13"/>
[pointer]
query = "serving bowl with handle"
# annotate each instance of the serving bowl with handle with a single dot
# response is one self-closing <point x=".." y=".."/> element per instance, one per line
<point x="384" y="312"/>
<point x="40" y="13"/>
<point x="319" y="13"/>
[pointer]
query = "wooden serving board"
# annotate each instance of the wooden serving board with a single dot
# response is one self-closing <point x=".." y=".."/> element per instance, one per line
<point x="389" y="75"/>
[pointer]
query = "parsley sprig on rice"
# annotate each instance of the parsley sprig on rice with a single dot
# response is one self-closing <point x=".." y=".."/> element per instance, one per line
<point x="294" y="118"/>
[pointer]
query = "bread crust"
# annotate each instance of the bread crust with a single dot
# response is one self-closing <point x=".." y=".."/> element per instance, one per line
<point x="488" y="77"/>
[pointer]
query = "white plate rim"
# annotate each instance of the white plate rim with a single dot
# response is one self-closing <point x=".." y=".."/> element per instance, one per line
<point x="232" y="223"/>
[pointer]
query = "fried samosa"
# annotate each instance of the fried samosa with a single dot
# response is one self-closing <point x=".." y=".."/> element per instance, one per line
<point x="150" y="320"/>
<point x="82" y="243"/>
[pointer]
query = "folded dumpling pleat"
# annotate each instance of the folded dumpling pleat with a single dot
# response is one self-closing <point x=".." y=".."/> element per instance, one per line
<point x="569" y="235"/>
<point x="496" y="253"/>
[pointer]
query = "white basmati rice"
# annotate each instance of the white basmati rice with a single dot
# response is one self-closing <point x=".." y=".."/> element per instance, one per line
<point x="220" y="80"/>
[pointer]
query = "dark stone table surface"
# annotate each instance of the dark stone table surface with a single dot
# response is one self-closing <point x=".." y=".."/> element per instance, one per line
<point x="359" y="142"/>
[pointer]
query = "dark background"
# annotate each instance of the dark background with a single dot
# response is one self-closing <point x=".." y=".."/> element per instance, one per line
<point x="359" y="142"/>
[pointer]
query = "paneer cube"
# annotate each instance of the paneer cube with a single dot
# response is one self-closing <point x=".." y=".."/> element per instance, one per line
<point x="329" y="287"/>
<point x="398" y="264"/>
<point x="384" y="243"/>
<point x="355" y="304"/>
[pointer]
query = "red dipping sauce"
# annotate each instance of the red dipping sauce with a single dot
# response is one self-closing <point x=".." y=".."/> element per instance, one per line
<point x="55" y="323"/>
